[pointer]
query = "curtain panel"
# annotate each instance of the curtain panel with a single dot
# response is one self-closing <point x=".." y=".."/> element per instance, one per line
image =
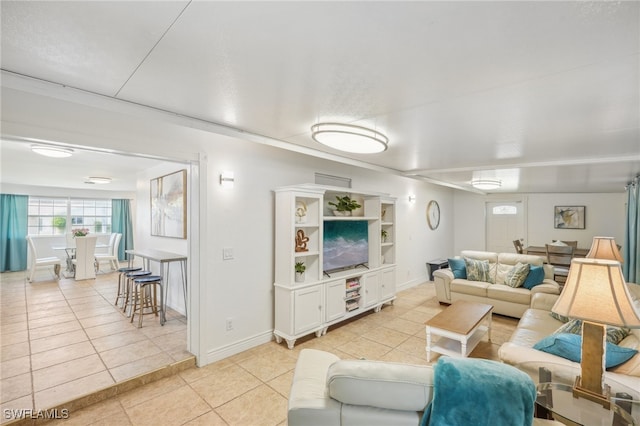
<point x="121" y="222"/>
<point x="14" y="211"/>
<point x="631" y="253"/>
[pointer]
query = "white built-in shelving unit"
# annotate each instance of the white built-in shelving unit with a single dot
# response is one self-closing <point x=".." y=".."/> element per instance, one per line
<point x="311" y="305"/>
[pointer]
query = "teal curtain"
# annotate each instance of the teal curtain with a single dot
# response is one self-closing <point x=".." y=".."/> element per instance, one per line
<point x="631" y="251"/>
<point x="121" y="223"/>
<point x="13" y="232"/>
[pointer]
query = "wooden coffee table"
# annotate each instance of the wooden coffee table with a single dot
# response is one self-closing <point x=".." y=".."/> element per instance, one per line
<point x="460" y="327"/>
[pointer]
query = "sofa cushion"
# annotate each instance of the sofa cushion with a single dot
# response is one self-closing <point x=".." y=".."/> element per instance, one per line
<point x="535" y="277"/>
<point x="474" y="288"/>
<point x="381" y="384"/>
<point x="458" y="267"/>
<point x="569" y="346"/>
<point x="509" y="294"/>
<point x="517" y="275"/>
<point x="478" y="270"/>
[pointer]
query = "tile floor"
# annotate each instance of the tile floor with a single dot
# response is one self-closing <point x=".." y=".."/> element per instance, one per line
<point x="251" y="388"/>
<point x="63" y="340"/>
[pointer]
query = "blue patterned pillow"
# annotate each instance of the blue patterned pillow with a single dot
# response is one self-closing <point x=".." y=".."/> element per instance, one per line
<point x="568" y="346"/>
<point x="477" y="270"/>
<point x="458" y="268"/>
<point x="517" y="275"/>
<point x="614" y="334"/>
<point x="535" y="277"/>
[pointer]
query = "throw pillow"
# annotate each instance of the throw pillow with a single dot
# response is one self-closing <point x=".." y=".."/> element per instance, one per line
<point x="535" y="277"/>
<point x="568" y="346"/>
<point x="477" y="270"/>
<point x="614" y="334"/>
<point x="458" y="267"/>
<point x="517" y="275"/>
<point x="558" y="316"/>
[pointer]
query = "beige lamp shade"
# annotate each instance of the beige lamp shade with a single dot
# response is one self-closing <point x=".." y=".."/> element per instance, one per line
<point x="596" y="291"/>
<point x="604" y="248"/>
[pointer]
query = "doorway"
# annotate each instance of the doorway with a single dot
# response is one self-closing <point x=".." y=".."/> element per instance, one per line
<point x="505" y="222"/>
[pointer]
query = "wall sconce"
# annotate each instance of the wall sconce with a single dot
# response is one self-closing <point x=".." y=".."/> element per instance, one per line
<point x="226" y="179"/>
<point x="412" y="198"/>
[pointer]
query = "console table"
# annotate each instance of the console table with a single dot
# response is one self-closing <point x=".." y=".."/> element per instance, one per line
<point x="164" y="258"/>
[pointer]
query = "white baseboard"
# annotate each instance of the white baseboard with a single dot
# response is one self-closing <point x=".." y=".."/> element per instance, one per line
<point x="237" y="347"/>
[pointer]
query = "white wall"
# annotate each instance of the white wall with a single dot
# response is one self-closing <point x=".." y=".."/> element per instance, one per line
<point x="604" y="216"/>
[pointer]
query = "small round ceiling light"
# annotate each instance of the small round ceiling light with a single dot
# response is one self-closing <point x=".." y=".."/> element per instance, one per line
<point x="98" y="180"/>
<point x="486" y="184"/>
<point x="349" y="138"/>
<point x="52" y="151"/>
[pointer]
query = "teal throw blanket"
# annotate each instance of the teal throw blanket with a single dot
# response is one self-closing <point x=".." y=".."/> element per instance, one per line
<point x="479" y="392"/>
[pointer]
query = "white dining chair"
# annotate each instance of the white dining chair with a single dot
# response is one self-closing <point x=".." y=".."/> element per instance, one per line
<point x="42" y="262"/>
<point x="111" y="255"/>
<point x="84" y="262"/>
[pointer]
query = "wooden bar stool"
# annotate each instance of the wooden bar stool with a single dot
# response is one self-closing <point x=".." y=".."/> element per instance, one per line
<point x="130" y="276"/>
<point x="122" y="283"/>
<point x="145" y="297"/>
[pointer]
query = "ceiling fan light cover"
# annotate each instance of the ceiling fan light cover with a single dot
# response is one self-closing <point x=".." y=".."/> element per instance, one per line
<point x="52" y="151"/>
<point x="486" y="184"/>
<point x="349" y="138"/>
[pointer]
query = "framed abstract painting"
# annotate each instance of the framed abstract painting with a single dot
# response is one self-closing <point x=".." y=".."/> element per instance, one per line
<point x="568" y="217"/>
<point x="169" y="205"/>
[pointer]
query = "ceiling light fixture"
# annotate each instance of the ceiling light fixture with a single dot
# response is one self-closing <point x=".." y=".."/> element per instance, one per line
<point x="486" y="184"/>
<point x="98" y="180"/>
<point x="52" y="151"/>
<point x="349" y="138"/>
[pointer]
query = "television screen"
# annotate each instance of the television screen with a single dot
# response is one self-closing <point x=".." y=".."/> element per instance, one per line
<point x="345" y="244"/>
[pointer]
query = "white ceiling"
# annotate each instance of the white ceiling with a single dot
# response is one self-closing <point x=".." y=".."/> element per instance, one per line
<point x="543" y="95"/>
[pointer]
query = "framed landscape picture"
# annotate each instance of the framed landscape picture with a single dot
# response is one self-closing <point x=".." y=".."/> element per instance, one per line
<point x="569" y="217"/>
<point x="169" y="205"/>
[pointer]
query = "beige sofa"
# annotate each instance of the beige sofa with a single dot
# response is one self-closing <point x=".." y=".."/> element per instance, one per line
<point x="506" y="300"/>
<point x="537" y="323"/>
<point x="327" y="391"/>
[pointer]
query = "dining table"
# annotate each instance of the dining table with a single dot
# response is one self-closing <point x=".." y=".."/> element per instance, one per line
<point x="542" y="251"/>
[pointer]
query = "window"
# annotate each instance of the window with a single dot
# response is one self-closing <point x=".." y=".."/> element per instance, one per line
<point x="505" y="210"/>
<point x="57" y="216"/>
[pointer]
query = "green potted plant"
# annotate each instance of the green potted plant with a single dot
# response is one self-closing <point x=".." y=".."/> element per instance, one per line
<point x="98" y="226"/>
<point x="60" y="223"/>
<point x="344" y="205"/>
<point x="300" y="268"/>
<point x="384" y="235"/>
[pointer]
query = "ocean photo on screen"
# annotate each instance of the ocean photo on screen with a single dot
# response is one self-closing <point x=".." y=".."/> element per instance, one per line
<point x="346" y="244"/>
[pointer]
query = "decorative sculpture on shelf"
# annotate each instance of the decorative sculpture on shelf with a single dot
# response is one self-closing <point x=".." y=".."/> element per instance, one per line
<point x="301" y="241"/>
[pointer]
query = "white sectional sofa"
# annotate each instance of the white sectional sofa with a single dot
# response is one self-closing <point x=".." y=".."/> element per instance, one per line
<point x="537" y="323"/>
<point x="506" y="300"/>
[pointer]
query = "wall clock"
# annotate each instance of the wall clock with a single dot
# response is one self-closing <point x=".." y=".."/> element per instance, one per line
<point x="433" y="214"/>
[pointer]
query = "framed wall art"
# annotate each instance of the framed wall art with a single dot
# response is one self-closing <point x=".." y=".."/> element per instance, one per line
<point x="169" y="205"/>
<point x="568" y="217"/>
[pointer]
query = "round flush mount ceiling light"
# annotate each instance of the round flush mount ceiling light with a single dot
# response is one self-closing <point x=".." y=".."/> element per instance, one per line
<point x="98" y="180"/>
<point x="486" y="184"/>
<point x="52" y="151"/>
<point x="349" y="138"/>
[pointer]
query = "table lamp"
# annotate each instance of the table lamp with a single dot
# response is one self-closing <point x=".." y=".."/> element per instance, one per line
<point x="596" y="293"/>
<point x="604" y="248"/>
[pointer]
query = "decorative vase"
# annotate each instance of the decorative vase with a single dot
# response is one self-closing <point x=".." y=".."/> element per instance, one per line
<point x="299" y="277"/>
<point x="341" y="213"/>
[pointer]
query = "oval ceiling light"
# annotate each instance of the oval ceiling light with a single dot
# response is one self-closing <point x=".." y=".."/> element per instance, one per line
<point x="349" y="138"/>
<point x="52" y="151"/>
<point x="98" y="180"/>
<point x="486" y="184"/>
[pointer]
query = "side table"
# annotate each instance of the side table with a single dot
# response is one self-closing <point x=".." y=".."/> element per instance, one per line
<point x="434" y="265"/>
<point x="554" y="386"/>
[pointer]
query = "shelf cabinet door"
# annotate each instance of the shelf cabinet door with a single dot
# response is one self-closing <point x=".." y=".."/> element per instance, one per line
<point x="308" y="306"/>
<point x="335" y="300"/>
<point x="388" y="283"/>
<point x="369" y="291"/>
